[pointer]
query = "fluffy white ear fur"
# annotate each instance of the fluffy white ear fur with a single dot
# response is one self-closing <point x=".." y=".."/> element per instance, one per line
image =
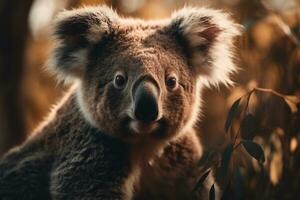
<point x="209" y="35"/>
<point x="74" y="32"/>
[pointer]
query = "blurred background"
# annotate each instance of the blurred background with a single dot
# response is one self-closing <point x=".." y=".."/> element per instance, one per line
<point x="268" y="56"/>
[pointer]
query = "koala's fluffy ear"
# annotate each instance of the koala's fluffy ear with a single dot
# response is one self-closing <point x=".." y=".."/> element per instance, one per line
<point x="74" y="32"/>
<point x="207" y="36"/>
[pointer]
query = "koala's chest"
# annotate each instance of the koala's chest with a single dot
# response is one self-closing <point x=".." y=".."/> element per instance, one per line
<point x="90" y="170"/>
<point x="172" y="176"/>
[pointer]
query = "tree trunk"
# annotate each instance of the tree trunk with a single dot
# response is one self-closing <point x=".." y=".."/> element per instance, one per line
<point x="13" y="35"/>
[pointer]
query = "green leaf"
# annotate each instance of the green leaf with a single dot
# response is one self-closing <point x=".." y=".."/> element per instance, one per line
<point x="226" y="159"/>
<point x="255" y="150"/>
<point x="231" y="113"/>
<point x="226" y="193"/>
<point x="212" y="193"/>
<point x="200" y="181"/>
<point x="206" y="159"/>
<point x="298" y="108"/>
<point x="249" y="126"/>
<point x="238" y="184"/>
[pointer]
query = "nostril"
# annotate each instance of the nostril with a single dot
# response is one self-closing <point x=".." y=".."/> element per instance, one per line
<point x="145" y="104"/>
<point x="146" y="110"/>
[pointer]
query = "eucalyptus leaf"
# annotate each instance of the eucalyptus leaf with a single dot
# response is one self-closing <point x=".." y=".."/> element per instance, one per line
<point x="226" y="193"/>
<point x="249" y="126"/>
<point x="212" y="193"/>
<point x="255" y="150"/>
<point x="231" y="113"/>
<point x="200" y="181"/>
<point x="226" y="159"/>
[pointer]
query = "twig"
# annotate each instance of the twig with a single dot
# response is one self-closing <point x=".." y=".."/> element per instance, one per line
<point x="275" y="93"/>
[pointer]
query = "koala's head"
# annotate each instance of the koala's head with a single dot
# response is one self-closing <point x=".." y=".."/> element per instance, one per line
<point x="140" y="79"/>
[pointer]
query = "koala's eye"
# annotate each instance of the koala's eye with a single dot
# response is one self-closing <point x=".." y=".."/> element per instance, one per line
<point x="120" y="81"/>
<point x="171" y="82"/>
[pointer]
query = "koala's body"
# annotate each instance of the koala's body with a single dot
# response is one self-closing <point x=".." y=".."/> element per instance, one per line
<point x="135" y="100"/>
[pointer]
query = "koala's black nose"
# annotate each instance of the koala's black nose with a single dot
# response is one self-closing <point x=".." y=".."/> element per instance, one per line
<point x="145" y="98"/>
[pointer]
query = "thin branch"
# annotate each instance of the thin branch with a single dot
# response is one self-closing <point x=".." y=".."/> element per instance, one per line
<point x="275" y="93"/>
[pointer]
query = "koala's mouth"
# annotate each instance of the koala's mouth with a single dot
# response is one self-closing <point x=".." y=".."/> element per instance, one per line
<point x="134" y="129"/>
<point x="144" y="128"/>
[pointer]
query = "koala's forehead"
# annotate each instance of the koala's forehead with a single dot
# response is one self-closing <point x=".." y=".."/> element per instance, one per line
<point x="147" y="45"/>
<point x="142" y="35"/>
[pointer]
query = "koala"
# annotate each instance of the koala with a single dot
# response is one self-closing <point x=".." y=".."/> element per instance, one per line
<point x="127" y="123"/>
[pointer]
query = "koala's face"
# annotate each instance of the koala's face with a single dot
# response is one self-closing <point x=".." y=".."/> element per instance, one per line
<point x="141" y="79"/>
<point x="137" y="84"/>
